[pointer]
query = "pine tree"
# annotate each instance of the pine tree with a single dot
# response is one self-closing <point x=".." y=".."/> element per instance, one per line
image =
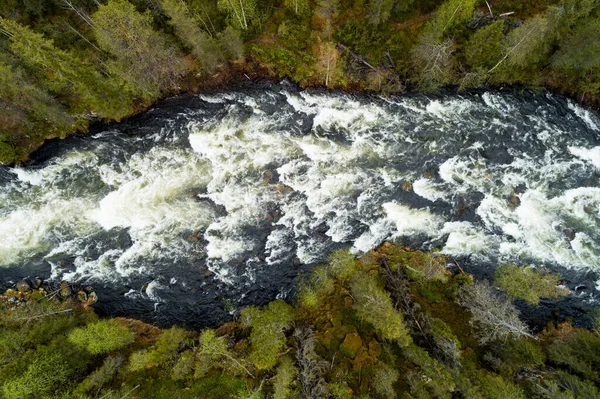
<point x="142" y="56"/>
<point x="97" y="93"/>
<point x="206" y="49"/>
<point x="242" y="12"/>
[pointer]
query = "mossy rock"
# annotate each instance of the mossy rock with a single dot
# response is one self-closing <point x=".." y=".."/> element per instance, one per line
<point x="351" y="345"/>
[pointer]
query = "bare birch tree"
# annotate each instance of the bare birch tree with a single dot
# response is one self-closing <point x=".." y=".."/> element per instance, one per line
<point x="495" y="317"/>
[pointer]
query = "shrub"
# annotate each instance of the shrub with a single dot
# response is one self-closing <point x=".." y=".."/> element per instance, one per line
<point x="101" y="337"/>
<point x="384" y="379"/>
<point x="283" y="380"/>
<point x="102" y="375"/>
<point x="267" y="337"/>
<point x="579" y="351"/>
<point x="374" y="305"/>
<point x="46" y="374"/>
<point x="528" y="283"/>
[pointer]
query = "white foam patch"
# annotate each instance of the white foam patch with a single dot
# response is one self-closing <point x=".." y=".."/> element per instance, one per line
<point x="464" y="239"/>
<point x="586" y="116"/>
<point x="591" y="155"/>
<point x="428" y="189"/>
<point x="411" y="221"/>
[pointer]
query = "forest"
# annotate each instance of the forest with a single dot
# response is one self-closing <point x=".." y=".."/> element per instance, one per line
<point x="395" y="323"/>
<point x="65" y="64"/>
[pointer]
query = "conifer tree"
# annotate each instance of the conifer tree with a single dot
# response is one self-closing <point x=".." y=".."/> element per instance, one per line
<point x="241" y="12"/>
<point x="206" y="49"/>
<point x="97" y="93"/>
<point x="142" y="56"/>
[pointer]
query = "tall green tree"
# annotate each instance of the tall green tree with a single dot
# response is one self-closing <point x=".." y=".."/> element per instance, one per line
<point x="97" y="93"/>
<point x="231" y="42"/>
<point x="484" y="47"/>
<point x="451" y="14"/>
<point x="142" y="57"/>
<point x="205" y="48"/>
<point x="267" y="337"/>
<point x="241" y="12"/>
<point x="373" y="304"/>
<point x="433" y="57"/>
<point x="36" y="104"/>
<point x="300" y="7"/>
<point x="579" y="51"/>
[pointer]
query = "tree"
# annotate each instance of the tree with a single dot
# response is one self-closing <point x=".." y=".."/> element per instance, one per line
<point x="484" y="47"/>
<point x="44" y="375"/>
<point x="97" y="378"/>
<point x="433" y="62"/>
<point x="37" y="104"/>
<point x="267" y="337"/>
<point x="101" y="337"/>
<point x="243" y="12"/>
<point x="380" y="10"/>
<point x="213" y="353"/>
<point x="451" y="14"/>
<point x="284" y="379"/>
<point x="384" y="379"/>
<point x="206" y="49"/>
<point x="327" y="11"/>
<point x="300" y="7"/>
<point x="310" y="378"/>
<point x="528" y="283"/>
<point x="527" y="45"/>
<point x="329" y="63"/>
<point x="374" y="305"/>
<point x="579" y="51"/>
<point x="231" y="43"/>
<point x="495" y="317"/>
<point x="142" y="56"/>
<point x="99" y="94"/>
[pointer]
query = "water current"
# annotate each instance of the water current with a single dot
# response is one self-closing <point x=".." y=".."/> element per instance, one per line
<point x="211" y="202"/>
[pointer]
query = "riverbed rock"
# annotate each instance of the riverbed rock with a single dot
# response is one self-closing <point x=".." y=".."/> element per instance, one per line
<point x="352" y="343"/>
<point x="92" y="298"/>
<point x="66" y="292"/>
<point x="22" y="286"/>
<point x="82" y="296"/>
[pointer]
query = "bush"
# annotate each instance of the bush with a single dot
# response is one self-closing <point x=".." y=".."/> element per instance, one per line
<point x="384" y="379"/>
<point x="102" y="375"/>
<point x="528" y="283"/>
<point x="46" y="374"/>
<point x="579" y="352"/>
<point x="509" y="356"/>
<point x="101" y="337"/>
<point x="283" y="380"/>
<point x="374" y="305"/>
<point x="267" y="337"/>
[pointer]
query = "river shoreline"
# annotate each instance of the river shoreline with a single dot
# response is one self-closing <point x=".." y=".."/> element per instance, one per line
<point x="240" y="76"/>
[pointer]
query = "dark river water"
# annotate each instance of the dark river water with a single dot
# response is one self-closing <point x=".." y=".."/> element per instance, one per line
<point x="212" y="202"/>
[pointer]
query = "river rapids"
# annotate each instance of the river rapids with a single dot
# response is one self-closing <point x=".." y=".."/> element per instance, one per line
<point x="211" y="202"/>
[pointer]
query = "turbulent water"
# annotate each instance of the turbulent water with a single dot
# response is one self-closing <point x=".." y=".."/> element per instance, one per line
<point x="211" y="202"/>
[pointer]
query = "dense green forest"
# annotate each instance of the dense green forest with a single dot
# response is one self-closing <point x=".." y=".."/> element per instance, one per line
<point x="66" y="63"/>
<point x="395" y="323"/>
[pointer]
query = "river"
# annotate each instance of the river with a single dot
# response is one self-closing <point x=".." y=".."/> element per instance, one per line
<point x="211" y="202"/>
